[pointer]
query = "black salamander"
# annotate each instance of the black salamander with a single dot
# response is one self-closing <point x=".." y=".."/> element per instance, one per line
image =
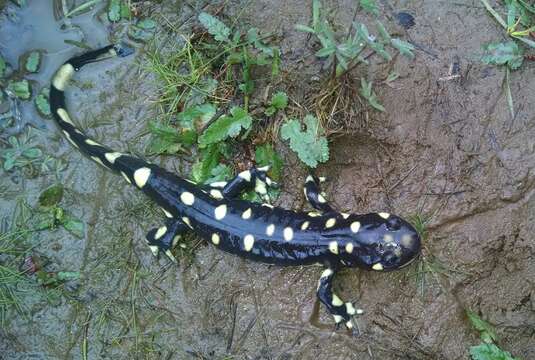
<point x="261" y="232"/>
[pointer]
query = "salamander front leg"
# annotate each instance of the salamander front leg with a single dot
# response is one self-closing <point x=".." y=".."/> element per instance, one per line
<point x="256" y="177"/>
<point x="342" y="312"/>
<point x="164" y="238"/>
<point x="314" y="195"/>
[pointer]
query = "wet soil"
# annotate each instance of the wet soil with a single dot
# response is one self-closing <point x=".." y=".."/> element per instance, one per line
<point x="448" y="150"/>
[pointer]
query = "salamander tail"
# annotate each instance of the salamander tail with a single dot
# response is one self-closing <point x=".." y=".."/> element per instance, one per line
<point x="99" y="153"/>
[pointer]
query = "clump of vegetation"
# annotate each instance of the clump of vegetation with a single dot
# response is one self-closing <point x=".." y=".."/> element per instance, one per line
<point x="20" y="89"/>
<point x="310" y="145"/>
<point x="32" y="61"/>
<point x="338" y="104"/>
<point x="208" y="85"/>
<point x="21" y="153"/>
<point x="519" y="26"/>
<point x="487" y="350"/>
<point x="23" y="275"/>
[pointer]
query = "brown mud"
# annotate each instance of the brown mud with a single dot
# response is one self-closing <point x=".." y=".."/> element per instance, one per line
<point x="447" y="150"/>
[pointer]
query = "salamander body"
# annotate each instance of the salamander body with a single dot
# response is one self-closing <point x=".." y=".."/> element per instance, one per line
<point x="261" y="232"/>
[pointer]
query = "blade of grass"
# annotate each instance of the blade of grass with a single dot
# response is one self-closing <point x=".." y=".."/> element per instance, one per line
<point x="82" y="7"/>
<point x="508" y="93"/>
<point x="494" y="14"/>
<point x="528" y="42"/>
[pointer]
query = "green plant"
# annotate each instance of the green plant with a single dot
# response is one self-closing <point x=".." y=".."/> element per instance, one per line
<point x="20" y="89"/>
<point x="21" y="152"/>
<point x="310" y="145"/>
<point x="487" y="350"/>
<point x="279" y="101"/>
<point x="50" y="215"/>
<point x="344" y="54"/>
<point x="368" y="94"/>
<point x="520" y="23"/>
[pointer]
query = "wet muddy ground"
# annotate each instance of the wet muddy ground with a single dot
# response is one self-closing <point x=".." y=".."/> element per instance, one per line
<point x="447" y="150"/>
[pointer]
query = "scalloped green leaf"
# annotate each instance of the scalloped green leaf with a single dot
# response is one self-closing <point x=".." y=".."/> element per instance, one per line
<point x="310" y="145"/>
<point x="214" y="26"/>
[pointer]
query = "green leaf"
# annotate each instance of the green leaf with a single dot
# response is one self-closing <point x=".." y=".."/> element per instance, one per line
<point x="3" y="67"/>
<point x="143" y="30"/>
<point x="275" y="64"/>
<point x="202" y="169"/>
<point x="368" y="94"/>
<point x="384" y="36"/>
<point x="32" y="153"/>
<point x="125" y="11"/>
<point x="221" y="172"/>
<point x="370" y="6"/>
<point x="392" y="76"/>
<point x="253" y="38"/>
<point x="266" y="155"/>
<point x="503" y="53"/>
<point x="215" y="27"/>
<point x="167" y="139"/>
<point x="316" y="13"/>
<point x="196" y="116"/>
<point x="304" y="28"/>
<point x="146" y="24"/>
<point x="226" y="126"/>
<point x="42" y="103"/>
<point x="486" y="330"/>
<point x="51" y="196"/>
<point x="68" y="275"/>
<point x="325" y="51"/>
<point x="380" y="49"/>
<point x="33" y="61"/>
<point x="404" y="47"/>
<point x="20" y="89"/>
<point x="9" y="163"/>
<point x="279" y="101"/>
<point x="311" y="147"/>
<point x="74" y="226"/>
<point x="114" y="10"/>
<point x="490" y="352"/>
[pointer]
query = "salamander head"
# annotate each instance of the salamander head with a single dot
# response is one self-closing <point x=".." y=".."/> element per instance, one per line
<point x="381" y="242"/>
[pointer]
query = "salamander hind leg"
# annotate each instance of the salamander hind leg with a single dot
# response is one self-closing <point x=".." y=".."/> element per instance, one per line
<point x="340" y="310"/>
<point x="164" y="238"/>
<point x="314" y="195"/>
<point x="253" y="178"/>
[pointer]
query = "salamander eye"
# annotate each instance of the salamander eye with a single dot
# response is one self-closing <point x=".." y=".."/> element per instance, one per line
<point x="393" y="223"/>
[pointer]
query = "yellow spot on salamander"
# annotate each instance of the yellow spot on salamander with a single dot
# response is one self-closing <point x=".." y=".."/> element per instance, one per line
<point x="112" y="156"/>
<point x="355" y="226"/>
<point x="377" y="267"/>
<point x="62" y="77"/>
<point x="220" y="212"/>
<point x="330" y="223"/>
<point x="333" y="247"/>
<point x="288" y="233"/>
<point x="384" y="215"/>
<point x="91" y="142"/>
<point x="141" y="176"/>
<point x="62" y="113"/>
<point x="187" y="198"/>
<point x="248" y="242"/>
<point x="247" y="214"/>
<point x="160" y="232"/>
<point x="215" y="239"/>
<point x="270" y="229"/>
